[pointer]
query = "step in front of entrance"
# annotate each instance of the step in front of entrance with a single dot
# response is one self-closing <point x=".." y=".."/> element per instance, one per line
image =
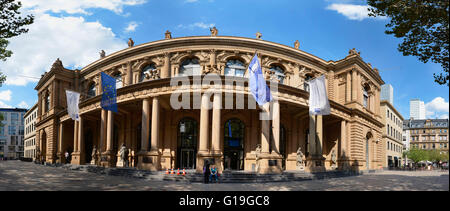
<point x="193" y="177"/>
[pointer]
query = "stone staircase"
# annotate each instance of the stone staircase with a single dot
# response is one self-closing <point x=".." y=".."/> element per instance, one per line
<point x="227" y="177"/>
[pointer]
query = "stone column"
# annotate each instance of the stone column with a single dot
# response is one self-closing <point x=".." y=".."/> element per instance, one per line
<point x="109" y="131"/>
<point x="81" y="139"/>
<point x="108" y="157"/>
<point x="203" y="152"/>
<point x="145" y="124"/>
<point x="312" y="136"/>
<point x="354" y="86"/>
<point x="319" y="131"/>
<point x="165" y="71"/>
<point x="204" y="124"/>
<point x="60" y="142"/>
<point x="265" y="133"/>
<point x="103" y="130"/>
<point x="348" y="84"/>
<point x="75" y="136"/>
<point x="276" y="127"/>
<point x="155" y="124"/>
<point x="216" y="126"/>
<point x="216" y="119"/>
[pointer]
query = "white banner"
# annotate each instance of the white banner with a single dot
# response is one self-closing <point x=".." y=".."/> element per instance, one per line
<point x="318" y="99"/>
<point x="73" y="99"/>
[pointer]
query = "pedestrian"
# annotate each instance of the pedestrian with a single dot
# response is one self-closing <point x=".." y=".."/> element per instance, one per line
<point x="213" y="174"/>
<point x="206" y="172"/>
<point x="66" y="155"/>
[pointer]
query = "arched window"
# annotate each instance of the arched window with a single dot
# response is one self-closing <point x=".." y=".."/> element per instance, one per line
<point x="47" y="102"/>
<point x="190" y="67"/>
<point x="92" y="90"/>
<point x="366" y="97"/>
<point x="235" y="68"/>
<point x="118" y="78"/>
<point x="278" y="72"/>
<point x="305" y="84"/>
<point x="146" y="71"/>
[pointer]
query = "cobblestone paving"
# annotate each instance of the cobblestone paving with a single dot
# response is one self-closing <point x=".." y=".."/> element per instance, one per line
<point x="24" y="176"/>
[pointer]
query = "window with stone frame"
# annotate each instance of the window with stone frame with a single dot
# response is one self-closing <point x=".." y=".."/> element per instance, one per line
<point x="366" y="90"/>
<point x="278" y="72"/>
<point x="189" y="67"/>
<point x="119" y="82"/>
<point x="92" y="90"/>
<point x="234" y="67"/>
<point x="146" y="72"/>
<point x="308" y="78"/>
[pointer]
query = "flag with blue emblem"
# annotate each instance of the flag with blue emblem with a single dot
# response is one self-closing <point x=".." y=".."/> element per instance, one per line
<point x="109" y="96"/>
<point x="257" y="83"/>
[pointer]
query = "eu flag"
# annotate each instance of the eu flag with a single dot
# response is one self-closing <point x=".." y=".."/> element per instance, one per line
<point x="109" y="96"/>
<point x="257" y="83"/>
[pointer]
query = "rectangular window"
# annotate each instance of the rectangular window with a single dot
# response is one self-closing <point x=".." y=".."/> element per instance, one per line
<point x="12" y="130"/>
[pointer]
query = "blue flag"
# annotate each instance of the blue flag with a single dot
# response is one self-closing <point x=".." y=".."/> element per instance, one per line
<point x="109" y="96"/>
<point x="257" y="84"/>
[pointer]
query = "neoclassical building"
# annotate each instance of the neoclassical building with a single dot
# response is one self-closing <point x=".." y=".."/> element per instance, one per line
<point x="160" y="136"/>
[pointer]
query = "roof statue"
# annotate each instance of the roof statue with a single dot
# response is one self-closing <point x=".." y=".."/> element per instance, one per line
<point x="130" y="43"/>
<point x="353" y="52"/>
<point x="168" y="35"/>
<point x="57" y="64"/>
<point x="297" y="44"/>
<point x="102" y="54"/>
<point x="214" y="31"/>
<point x="258" y="35"/>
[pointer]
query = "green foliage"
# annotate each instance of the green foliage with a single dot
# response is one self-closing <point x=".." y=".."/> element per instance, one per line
<point x="416" y="155"/>
<point x="434" y="155"/>
<point x="11" y="25"/>
<point x="1" y="119"/>
<point x="424" y="27"/>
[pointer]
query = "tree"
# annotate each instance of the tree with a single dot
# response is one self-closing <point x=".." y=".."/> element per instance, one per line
<point x="424" y="25"/>
<point x="11" y="25"/>
<point x="416" y="155"/>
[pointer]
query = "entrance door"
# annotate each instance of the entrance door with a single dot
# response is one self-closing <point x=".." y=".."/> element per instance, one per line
<point x="234" y="145"/>
<point x="187" y="143"/>
<point x="187" y="157"/>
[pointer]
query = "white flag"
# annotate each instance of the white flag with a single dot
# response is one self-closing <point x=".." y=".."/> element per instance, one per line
<point x="318" y="99"/>
<point x="72" y="104"/>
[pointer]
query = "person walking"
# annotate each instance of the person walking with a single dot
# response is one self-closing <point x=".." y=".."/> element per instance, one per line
<point x="206" y="172"/>
<point x="66" y="155"/>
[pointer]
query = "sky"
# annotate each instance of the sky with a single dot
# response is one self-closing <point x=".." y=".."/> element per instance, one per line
<point x="77" y="30"/>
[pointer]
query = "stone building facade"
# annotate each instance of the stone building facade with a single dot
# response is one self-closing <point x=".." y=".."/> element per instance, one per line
<point x="11" y="133"/>
<point x="392" y="134"/>
<point x="160" y="136"/>
<point x="30" y="132"/>
<point x="428" y="134"/>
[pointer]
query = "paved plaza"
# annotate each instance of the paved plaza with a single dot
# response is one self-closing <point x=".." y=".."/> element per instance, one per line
<point x="25" y="176"/>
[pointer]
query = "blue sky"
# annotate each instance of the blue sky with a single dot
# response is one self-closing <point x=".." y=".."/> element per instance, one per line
<point x="76" y="30"/>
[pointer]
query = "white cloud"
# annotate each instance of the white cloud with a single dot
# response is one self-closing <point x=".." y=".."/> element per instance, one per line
<point x="131" y="27"/>
<point x="5" y="95"/>
<point x="23" y="104"/>
<point x="4" y="105"/>
<point x="352" y="11"/>
<point x="437" y="108"/>
<point x="197" y="25"/>
<point x="78" y="6"/>
<point x="72" y="39"/>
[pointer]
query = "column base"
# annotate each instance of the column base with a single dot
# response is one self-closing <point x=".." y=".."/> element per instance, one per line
<point x="217" y="160"/>
<point x="76" y="158"/>
<point x="269" y="163"/>
<point x="108" y="159"/>
<point x="166" y="160"/>
<point x="149" y="160"/>
<point x="315" y="164"/>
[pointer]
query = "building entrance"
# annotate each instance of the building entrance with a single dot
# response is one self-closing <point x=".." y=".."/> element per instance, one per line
<point x="234" y="145"/>
<point x="187" y="143"/>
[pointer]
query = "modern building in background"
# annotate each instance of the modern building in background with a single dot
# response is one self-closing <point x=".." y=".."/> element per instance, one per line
<point x="387" y="93"/>
<point x="392" y="134"/>
<point x="427" y="134"/>
<point x="417" y="109"/>
<point x="30" y="132"/>
<point x="12" y="133"/>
